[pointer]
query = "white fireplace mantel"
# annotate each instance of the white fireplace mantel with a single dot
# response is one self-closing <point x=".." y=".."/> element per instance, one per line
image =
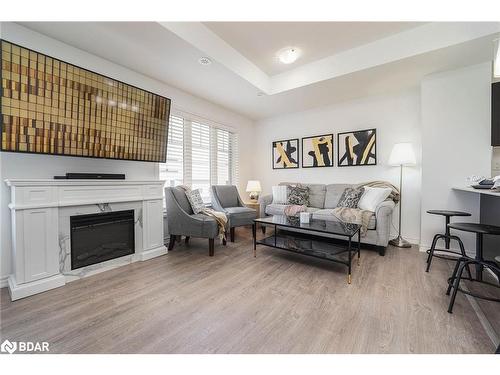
<point x="40" y="211"/>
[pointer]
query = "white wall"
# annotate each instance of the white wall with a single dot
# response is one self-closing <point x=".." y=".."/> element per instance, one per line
<point x="396" y="118"/>
<point x="16" y="165"/>
<point x="456" y="127"/>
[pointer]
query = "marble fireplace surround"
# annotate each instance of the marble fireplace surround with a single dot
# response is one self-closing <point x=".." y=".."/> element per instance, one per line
<point x="40" y="214"/>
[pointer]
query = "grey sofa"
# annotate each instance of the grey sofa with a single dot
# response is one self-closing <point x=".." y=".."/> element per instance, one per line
<point x="183" y="222"/>
<point x="225" y="198"/>
<point x="323" y="198"/>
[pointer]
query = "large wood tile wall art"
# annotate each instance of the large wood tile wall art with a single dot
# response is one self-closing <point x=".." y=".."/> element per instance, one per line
<point x="52" y="107"/>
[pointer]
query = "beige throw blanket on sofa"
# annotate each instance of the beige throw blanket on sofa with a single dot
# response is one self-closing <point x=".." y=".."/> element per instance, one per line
<point x="362" y="217"/>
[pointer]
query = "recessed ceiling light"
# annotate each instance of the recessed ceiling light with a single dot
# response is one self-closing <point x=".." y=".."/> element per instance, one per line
<point x="204" y="61"/>
<point x="288" y="55"/>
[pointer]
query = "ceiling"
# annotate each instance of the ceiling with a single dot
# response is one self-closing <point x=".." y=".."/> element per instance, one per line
<point x="353" y="65"/>
<point x="260" y="41"/>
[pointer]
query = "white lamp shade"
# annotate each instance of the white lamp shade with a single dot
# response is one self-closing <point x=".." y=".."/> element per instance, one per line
<point x="254" y="186"/>
<point x="402" y="154"/>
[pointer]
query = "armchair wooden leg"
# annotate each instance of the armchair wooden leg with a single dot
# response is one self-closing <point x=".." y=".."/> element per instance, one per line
<point x="232" y="234"/>
<point x="171" y="242"/>
<point x="224" y="240"/>
<point x="186" y="240"/>
<point x="211" y="247"/>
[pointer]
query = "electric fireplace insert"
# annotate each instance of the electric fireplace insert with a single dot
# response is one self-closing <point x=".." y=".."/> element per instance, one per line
<point x="99" y="237"/>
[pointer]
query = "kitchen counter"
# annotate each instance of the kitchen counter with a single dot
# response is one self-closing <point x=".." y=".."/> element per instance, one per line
<point x="489" y="214"/>
<point x="489" y="201"/>
<point x="478" y="191"/>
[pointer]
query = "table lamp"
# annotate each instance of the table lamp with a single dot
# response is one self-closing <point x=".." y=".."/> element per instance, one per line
<point x="401" y="155"/>
<point x="253" y="187"/>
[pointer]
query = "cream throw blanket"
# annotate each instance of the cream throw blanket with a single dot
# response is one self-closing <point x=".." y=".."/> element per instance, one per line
<point x="362" y="217"/>
<point x="220" y="217"/>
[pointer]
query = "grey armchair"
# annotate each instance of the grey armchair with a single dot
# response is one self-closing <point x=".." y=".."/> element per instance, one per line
<point x="225" y="198"/>
<point x="183" y="222"/>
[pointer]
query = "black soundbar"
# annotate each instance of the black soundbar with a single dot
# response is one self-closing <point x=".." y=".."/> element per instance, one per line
<point x="91" y="176"/>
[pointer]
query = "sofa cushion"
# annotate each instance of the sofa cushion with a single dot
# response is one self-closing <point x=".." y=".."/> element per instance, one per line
<point x="316" y="195"/>
<point x="279" y="209"/>
<point x="275" y="209"/>
<point x="327" y="215"/>
<point x="333" y="194"/>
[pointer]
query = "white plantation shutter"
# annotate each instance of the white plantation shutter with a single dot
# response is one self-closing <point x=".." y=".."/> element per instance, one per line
<point x="200" y="159"/>
<point x="213" y="154"/>
<point x="223" y="157"/>
<point x="172" y="170"/>
<point x="234" y="167"/>
<point x="199" y="155"/>
<point x="188" y="152"/>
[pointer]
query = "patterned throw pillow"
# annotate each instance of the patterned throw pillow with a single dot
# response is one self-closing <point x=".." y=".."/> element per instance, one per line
<point x="298" y="195"/>
<point x="350" y="197"/>
<point x="194" y="198"/>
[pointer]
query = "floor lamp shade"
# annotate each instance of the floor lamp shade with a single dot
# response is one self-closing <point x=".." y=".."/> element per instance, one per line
<point x="402" y="154"/>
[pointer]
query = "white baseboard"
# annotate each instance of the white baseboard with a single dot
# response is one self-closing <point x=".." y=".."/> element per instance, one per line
<point x="24" y="290"/>
<point x="4" y="282"/>
<point x="18" y="291"/>
<point x="413" y="241"/>
<point x="153" y="253"/>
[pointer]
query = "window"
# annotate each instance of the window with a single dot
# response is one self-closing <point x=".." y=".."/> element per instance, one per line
<point x="199" y="155"/>
<point x="223" y="162"/>
<point x="200" y="159"/>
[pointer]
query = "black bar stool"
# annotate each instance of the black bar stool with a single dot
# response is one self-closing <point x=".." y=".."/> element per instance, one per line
<point x="456" y="277"/>
<point x="480" y="230"/>
<point x="446" y="236"/>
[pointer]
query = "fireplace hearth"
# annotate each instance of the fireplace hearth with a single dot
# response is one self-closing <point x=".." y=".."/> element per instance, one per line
<point x="96" y="238"/>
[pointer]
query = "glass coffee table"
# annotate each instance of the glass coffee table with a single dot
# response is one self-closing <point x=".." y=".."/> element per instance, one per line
<point x="311" y="239"/>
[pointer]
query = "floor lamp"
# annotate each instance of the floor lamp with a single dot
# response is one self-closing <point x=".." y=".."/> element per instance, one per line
<point x="402" y="155"/>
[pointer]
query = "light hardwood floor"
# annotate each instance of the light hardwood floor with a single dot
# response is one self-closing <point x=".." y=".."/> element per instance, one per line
<point x="186" y="302"/>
